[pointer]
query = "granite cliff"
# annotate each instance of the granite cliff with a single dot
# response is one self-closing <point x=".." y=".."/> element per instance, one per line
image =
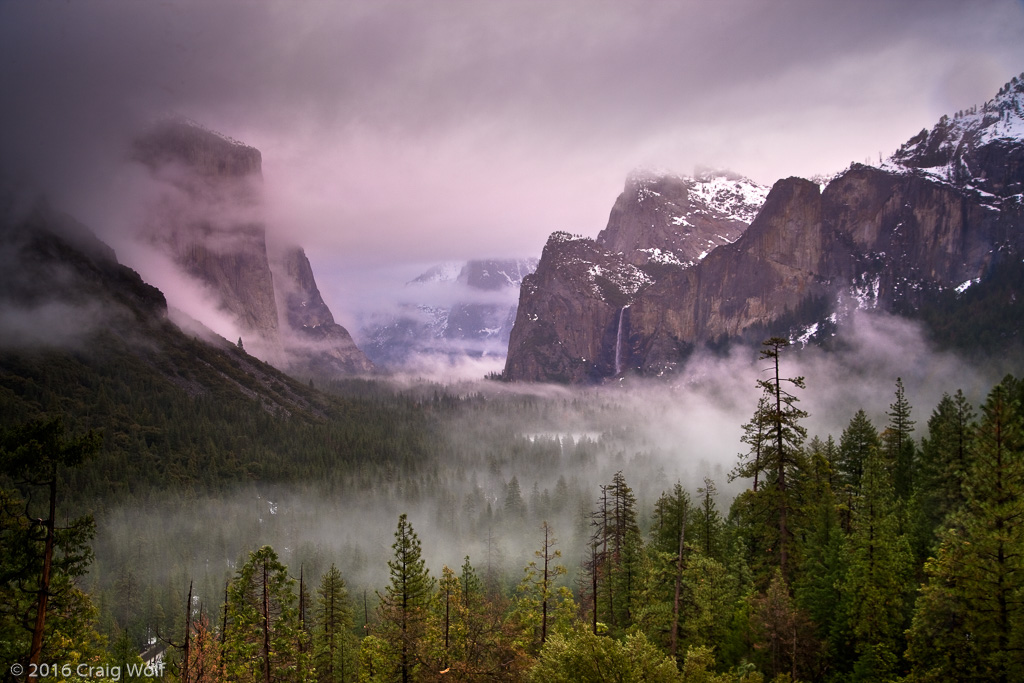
<point x="936" y="218"/>
<point x="208" y="218"/>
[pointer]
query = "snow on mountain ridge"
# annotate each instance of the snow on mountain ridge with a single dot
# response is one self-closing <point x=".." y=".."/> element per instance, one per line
<point x="945" y="152"/>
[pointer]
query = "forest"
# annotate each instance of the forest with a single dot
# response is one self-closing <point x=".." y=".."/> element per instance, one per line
<point x="560" y="542"/>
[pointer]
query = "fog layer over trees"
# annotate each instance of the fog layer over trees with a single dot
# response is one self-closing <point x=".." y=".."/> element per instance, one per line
<point x="790" y="514"/>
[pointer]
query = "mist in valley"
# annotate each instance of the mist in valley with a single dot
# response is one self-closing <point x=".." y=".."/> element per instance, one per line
<point x="555" y="446"/>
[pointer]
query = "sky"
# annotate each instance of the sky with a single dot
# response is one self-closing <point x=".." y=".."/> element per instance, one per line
<point x="396" y="135"/>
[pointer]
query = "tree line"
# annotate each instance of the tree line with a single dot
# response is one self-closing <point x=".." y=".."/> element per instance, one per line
<point x="874" y="556"/>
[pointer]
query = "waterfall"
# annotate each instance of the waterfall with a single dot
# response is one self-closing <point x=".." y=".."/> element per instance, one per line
<point x="618" y="342"/>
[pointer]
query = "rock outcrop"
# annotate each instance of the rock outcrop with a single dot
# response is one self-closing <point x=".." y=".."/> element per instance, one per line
<point x="316" y="345"/>
<point x="574" y="310"/>
<point x="936" y="217"/>
<point x="209" y="220"/>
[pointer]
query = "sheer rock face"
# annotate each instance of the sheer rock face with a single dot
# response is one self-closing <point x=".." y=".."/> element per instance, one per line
<point x="935" y="216"/>
<point x="209" y="219"/>
<point x="568" y="310"/>
<point x="314" y="342"/>
<point x="571" y="310"/>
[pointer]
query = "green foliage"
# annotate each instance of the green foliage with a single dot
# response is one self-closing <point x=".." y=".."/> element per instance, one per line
<point x="970" y="618"/>
<point x="262" y="640"/>
<point x="879" y="562"/>
<point x="335" y="647"/>
<point x="542" y="606"/>
<point x="779" y="454"/>
<point x="946" y="459"/>
<point x="707" y="522"/>
<point x="581" y="657"/>
<point x="817" y="588"/>
<point x="900" y="450"/>
<point x="858" y="441"/>
<point x="42" y="611"/>
<point x="404" y="605"/>
<point x="699" y="667"/>
<point x="176" y="428"/>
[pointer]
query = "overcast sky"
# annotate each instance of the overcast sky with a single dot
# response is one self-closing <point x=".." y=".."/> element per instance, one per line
<point x="399" y="134"/>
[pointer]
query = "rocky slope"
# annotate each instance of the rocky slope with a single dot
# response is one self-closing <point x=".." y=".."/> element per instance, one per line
<point x="59" y="283"/>
<point x="316" y="344"/>
<point x="573" y="308"/>
<point x="937" y="217"/>
<point x="82" y="335"/>
<point x="455" y="310"/>
<point x="208" y="218"/>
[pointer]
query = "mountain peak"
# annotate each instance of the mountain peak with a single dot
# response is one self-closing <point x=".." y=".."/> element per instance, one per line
<point x="672" y="219"/>
<point x="203" y="151"/>
<point x="986" y="135"/>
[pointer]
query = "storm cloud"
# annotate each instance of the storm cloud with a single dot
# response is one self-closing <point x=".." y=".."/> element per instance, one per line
<point x="402" y="134"/>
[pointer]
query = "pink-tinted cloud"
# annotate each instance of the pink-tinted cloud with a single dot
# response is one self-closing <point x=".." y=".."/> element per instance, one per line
<point x="404" y="133"/>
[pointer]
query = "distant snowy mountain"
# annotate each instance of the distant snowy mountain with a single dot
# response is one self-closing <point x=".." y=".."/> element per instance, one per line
<point x="677" y="220"/>
<point x="977" y="149"/>
<point x="455" y="310"/>
<point x="935" y="233"/>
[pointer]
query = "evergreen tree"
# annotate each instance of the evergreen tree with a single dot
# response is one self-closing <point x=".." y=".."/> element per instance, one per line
<point x="878" y="561"/>
<point x="625" y="549"/>
<point x="756" y="434"/>
<point x="818" y="586"/>
<point x="539" y="583"/>
<point x="404" y="605"/>
<point x="969" y="621"/>
<point x="334" y="644"/>
<point x="40" y="558"/>
<point x="781" y="458"/>
<point x="708" y="522"/>
<point x="782" y="631"/>
<point x="668" y="552"/>
<point x="858" y="441"/>
<point x="514" y="505"/>
<point x="945" y="458"/>
<point x="262" y="639"/>
<point x="900" y="449"/>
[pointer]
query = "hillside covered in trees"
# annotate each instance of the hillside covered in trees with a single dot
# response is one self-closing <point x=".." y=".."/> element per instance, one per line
<point x="246" y="544"/>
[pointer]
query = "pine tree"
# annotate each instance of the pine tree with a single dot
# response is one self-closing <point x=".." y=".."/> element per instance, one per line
<point x="514" y="505"/>
<point x="858" y="441"/>
<point x="39" y="558"/>
<point x="404" y="605"/>
<point x="879" y="562"/>
<point x="817" y="588"/>
<point x="334" y="644"/>
<point x="541" y="575"/>
<point x="783" y="448"/>
<point x="756" y="435"/>
<point x="624" y="551"/>
<point x="263" y="622"/>
<point x="708" y="522"/>
<point x="781" y="629"/>
<point x="899" y="446"/>
<point x="945" y="458"/>
<point x="969" y="621"/>
<point x="669" y="554"/>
